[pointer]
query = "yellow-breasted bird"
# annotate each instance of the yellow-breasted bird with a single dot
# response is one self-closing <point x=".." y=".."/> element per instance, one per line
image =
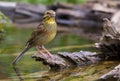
<point x="43" y="34"/>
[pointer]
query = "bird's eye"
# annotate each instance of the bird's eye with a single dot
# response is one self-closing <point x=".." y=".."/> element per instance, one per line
<point x="47" y="13"/>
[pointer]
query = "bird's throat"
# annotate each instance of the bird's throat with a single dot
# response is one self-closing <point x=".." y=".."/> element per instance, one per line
<point x="51" y="20"/>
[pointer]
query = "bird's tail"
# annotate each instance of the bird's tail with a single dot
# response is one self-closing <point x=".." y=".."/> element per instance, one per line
<point x="22" y="53"/>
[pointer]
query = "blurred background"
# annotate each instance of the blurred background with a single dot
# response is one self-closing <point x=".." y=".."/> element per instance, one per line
<point x="79" y="27"/>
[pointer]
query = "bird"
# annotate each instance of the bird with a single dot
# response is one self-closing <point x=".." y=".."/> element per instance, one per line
<point x="42" y="34"/>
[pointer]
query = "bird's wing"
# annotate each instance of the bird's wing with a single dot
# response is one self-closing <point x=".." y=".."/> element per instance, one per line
<point x="38" y="30"/>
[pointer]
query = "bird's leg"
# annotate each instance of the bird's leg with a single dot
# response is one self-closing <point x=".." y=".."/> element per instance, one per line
<point x="43" y="55"/>
<point x="48" y="53"/>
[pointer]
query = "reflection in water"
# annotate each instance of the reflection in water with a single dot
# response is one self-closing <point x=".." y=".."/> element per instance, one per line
<point x="83" y="73"/>
<point x="17" y="71"/>
<point x="51" y="75"/>
<point x="66" y="73"/>
<point x="59" y="75"/>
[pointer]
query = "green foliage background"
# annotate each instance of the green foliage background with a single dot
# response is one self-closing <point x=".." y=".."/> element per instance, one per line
<point x="48" y="1"/>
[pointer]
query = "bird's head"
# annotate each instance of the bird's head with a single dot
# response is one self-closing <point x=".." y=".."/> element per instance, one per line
<point x="49" y="13"/>
<point x="49" y="16"/>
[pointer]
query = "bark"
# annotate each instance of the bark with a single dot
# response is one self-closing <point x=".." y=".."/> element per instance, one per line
<point x="109" y="45"/>
<point x="65" y="59"/>
<point x="110" y="41"/>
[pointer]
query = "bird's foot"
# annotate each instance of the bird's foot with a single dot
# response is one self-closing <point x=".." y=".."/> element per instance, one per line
<point x="44" y="56"/>
<point x="47" y="52"/>
<point x="50" y="55"/>
<point x="41" y="53"/>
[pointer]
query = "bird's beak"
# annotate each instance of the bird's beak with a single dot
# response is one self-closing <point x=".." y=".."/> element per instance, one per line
<point x="53" y="15"/>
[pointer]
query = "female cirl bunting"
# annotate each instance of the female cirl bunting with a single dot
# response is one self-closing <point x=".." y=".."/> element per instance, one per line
<point x="43" y="34"/>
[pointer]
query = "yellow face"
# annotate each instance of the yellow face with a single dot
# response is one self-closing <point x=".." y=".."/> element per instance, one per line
<point x="49" y="13"/>
<point x="49" y="16"/>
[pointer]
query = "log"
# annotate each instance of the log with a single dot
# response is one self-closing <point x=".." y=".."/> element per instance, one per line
<point x="115" y="20"/>
<point x="110" y="41"/>
<point x="109" y="3"/>
<point x="8" y="8"/>
<point x="63" y="60"/>
<point x="21" y="12"/>
<point x="71" y="14"/>
<point x="61" y="5"/>
<point x="102" y="8"/>
<point x="29" y="13"/>
<point x="109" y="45"/>
<point x="113" y="75"/>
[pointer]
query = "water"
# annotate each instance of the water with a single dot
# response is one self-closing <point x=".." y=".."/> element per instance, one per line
<point x="30" y="70"/>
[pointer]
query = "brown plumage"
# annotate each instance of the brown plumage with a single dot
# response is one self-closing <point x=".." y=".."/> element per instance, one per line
<point x="43" y="34"/>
